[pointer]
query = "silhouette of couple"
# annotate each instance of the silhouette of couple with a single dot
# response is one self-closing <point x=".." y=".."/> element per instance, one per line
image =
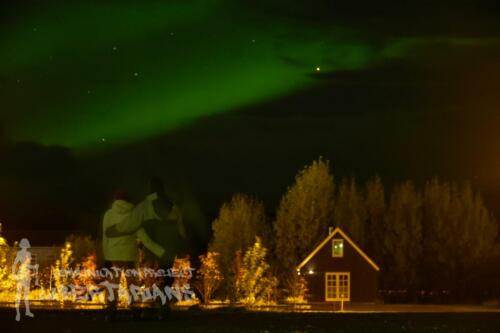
<point x="156" y="223"/>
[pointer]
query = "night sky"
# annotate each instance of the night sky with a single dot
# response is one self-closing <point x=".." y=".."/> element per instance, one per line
<point x="218" y="97"/>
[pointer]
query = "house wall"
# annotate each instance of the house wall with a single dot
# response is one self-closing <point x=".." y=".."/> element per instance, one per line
<point x="45" y="255"/>
<point x="363" y="275"/>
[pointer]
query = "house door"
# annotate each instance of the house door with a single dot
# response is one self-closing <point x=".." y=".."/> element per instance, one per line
<point x="337" y="286"/>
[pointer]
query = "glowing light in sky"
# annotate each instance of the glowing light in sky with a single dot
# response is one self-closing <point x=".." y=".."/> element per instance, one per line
<point x="128" y="76"/>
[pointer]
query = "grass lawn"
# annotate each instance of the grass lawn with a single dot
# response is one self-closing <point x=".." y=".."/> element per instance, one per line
<point x="395" y="319"/>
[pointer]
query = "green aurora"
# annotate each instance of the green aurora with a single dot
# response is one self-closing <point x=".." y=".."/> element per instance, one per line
<point x="105" y="75"/>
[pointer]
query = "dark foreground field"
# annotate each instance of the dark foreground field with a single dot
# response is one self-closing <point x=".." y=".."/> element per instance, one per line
<point x="227" y="321"/>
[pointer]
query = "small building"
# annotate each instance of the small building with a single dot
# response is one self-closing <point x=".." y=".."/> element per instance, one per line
<point x="44" y="256"/>
<point x="45" y="247"/>
<point x="338" y="270"/>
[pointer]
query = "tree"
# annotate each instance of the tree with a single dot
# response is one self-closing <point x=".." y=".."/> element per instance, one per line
<point x="235" y="229"/>
<point x="375" y="204"/>
<point x="82" y="247"/>
<point x="475" y="230"/>
<point x="7" y="281"/>
<point x="297" y="290"/>
<point x="60" y="270"/>
<point x="234" y="285"/>
<point x="458" y="233"/>
<point x="209" y="276"/>
<point x="256" y="284"/>
<point x="181" y="269"/>
<point x="303" y="216"/>
<point x="438" y="206"/>
<point x="403" y="241"/>
<point x="350" y="212"/>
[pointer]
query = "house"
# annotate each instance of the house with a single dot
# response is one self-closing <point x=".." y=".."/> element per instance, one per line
<point x="45" y="244"/>
<point x="44" y="256"/>
<point x="338" y="270"/>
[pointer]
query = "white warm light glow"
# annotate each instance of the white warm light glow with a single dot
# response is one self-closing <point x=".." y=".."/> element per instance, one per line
<point x="337" y="248"/>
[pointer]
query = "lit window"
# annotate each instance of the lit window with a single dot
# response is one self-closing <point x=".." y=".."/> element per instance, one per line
<point x="338" y="248"/>
<point x="337" y="286"/>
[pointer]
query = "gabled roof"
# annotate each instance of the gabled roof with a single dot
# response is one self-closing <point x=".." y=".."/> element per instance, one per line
<point x="330" y="236"/>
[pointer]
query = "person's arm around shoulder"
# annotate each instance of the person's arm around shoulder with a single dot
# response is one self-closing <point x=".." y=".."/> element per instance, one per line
<point x="131" y="224"/>
<point x="151" y="245"/>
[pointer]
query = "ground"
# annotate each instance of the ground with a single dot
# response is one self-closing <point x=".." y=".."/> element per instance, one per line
<point x="406" y="318"/>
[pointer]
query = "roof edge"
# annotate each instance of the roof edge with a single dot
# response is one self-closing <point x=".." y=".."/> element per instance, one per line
<point x="349" y="240"/>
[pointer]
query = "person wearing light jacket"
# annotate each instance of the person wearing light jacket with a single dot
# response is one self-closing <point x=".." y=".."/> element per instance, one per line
<point x="158" y="214"/>
<point x="154" y="208"/>
<point x="124" y="248"/>
<point x="162" y="219"/>
<point x="122" y="252"/>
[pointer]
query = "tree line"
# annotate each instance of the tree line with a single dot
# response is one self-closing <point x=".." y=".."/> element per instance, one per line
<point x="432" y="243"/>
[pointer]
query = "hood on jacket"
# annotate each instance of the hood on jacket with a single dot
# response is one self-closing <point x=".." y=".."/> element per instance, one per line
<point x="122" y="207"/>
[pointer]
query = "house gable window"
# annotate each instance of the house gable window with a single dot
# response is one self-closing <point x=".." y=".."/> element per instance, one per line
<point x="337" y="248"/>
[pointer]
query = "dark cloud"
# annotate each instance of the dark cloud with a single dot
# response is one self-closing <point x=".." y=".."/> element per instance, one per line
<point x="386" y="18"/>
